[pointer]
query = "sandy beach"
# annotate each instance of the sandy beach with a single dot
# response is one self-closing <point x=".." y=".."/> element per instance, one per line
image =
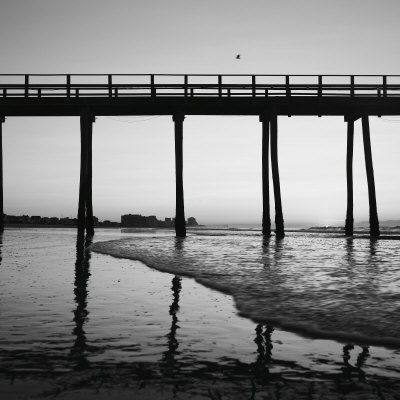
<point x="95" y="326"/>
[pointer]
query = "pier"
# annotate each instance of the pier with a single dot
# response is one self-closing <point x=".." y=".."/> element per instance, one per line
<point x="354" y="97"/>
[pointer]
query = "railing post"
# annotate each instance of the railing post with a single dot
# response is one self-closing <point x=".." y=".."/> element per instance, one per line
<point x="287" y="80"/>
<point x="352" y="86"/>
<point x="219" y="85"/>
<point x="384" y="81"/>
<point x="2" y="119"/>
<point x="109" y="79"/>
<point x="185" y="82"/>
<point x="68" y="86"/>
<point x="253" y="85"/>
<point x="319" y="85"/>
<point x="373" y="213"/>
<point x="279" y="223"/>
<point x="152" y="87"/>
<point x="266" y="218"/>
<point x="180" y="226"/>
<point x="26" y="86"/>
<point x="349" y="175"/>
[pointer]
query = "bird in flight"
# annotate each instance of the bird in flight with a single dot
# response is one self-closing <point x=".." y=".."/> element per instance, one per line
<point x="238" y="56"/>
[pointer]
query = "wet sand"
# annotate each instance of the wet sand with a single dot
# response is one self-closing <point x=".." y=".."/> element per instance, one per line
<point x="103" y="328"/>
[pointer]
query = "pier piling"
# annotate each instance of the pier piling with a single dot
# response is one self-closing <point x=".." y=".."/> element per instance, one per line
<point x="85" y="208"/>
<point x="373" y="213"/>
<point x="279" y="223"/>
<point x="180" y="228"/>
<point x="89" y="203"/>
<point x="266" y="218"/>
<point x="349" y="226"/>
<point x="2" y="119"/>
<point x="83" y="175"/>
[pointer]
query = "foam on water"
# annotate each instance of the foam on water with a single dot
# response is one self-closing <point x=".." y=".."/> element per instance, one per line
<point x="319" y="285"/>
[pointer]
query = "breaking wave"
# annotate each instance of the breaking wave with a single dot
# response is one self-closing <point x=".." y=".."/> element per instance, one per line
<point x="320" y="286"/>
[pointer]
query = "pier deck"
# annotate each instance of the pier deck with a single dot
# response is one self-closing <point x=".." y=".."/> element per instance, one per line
<point x="69" y="95"/>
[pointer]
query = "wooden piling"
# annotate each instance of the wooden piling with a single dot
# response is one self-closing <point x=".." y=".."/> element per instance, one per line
<point x="180" y="228"/>
<point x="279" y="223"/>
<point x="349" y="226"/>
<point x="89" y="203"/>
<point x="266" y="218"/>
<point x="373" y="213"/>
<point x="83" y="174"/>
<point x="2" y="119"/>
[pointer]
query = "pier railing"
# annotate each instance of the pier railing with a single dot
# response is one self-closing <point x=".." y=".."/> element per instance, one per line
<point x="188" y="86"/>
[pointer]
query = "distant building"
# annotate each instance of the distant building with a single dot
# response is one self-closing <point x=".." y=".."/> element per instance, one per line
<point x="192" y="222"/>
<point x="168" y="223"/>
<point x="35" y="219"/>
<point x="140" y="221"/>
<point x="38" y="220"/>
<point x="133" y="220"/>
<point x="66" y="221"/>
<point x="152" y="221"/>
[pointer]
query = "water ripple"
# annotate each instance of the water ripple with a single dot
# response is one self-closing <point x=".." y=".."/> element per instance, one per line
<point x="324" y="286"/>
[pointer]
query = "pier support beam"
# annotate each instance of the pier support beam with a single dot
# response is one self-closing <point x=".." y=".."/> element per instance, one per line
<point x="85" y="209"/>
<point x="180" y="228"/>
<point x="266" y="218"/>
<point x="349" y="174"/>
<point x="373" y="213"/>
<point x="89" y="203"/>
<point x="279" y="223"/>
<point x="2" y="119"/>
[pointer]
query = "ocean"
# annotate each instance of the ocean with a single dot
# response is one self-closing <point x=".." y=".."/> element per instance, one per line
<point x="218" y="315"/>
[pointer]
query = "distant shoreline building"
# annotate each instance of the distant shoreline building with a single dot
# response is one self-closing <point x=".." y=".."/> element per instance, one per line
<point x="127" y="221"/>
<point x="141" y="221"/>
<point x="51" y="221"/>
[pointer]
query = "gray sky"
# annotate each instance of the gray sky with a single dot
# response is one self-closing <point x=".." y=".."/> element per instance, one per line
<point x="133" y="157"/>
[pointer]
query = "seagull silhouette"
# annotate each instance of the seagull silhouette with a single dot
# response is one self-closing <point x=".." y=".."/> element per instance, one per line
<point x="238" y="56"/>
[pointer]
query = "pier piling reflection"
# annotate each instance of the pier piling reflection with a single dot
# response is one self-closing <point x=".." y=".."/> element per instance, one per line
<point x="82" y="275"/>
<point x="171" y="366"/>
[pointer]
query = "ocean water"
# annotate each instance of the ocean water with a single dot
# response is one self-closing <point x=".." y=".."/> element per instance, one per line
<point x="75" y="323"/>
<point x="322" y="285"/>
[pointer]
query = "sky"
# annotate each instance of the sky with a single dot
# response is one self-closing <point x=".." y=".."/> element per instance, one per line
<point x="133" y="157"/>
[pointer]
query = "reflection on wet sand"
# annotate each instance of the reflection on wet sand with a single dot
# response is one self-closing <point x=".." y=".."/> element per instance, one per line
<point x="350" y="370"/>
<point x="264" y="353"/>
<point x="82" y="274"/>
<point x="170" y="365"/>
<point x="1" y="246"/>
<point x="184" y="362"/>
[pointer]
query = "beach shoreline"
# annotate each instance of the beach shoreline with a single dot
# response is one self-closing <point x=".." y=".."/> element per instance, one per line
<point x="132" y="330"/>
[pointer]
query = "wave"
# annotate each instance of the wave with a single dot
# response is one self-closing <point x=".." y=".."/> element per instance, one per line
<point x="321" y="287"/>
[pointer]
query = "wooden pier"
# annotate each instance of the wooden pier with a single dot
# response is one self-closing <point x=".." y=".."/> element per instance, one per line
<point x="267" y="96"/>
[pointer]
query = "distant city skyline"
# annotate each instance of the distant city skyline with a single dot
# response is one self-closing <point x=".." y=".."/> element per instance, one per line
<point x="133" y="157"/>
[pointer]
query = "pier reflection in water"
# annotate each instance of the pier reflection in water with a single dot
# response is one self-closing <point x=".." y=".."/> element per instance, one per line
<point x="82" y="274"/>
<point x="172" y="335"/>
